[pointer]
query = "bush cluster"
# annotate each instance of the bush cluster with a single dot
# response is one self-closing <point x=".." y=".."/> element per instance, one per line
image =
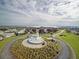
<point x="47" y="52"/>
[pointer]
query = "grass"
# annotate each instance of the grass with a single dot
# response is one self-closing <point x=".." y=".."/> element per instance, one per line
<point x="73" y="40"/>
<point x="7" y="40"/>
<point x="45" y="36"/>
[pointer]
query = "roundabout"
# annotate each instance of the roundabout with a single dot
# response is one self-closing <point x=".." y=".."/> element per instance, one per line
<point x="50" y="50"/>
<point x="35" y="47"/>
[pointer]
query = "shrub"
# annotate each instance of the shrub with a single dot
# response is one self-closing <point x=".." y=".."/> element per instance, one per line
<point x="47" y="52"/>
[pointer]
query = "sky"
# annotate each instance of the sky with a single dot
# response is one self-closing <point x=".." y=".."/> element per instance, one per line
<point x="39" y="12"/>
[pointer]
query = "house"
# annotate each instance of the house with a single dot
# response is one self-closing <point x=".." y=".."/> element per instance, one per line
<point x="11" y="31"/>
<point x="1" y="32"/>
<point x="8" y="34"/>
<point x="1" y="38"/>
<point x="22" y="31"/>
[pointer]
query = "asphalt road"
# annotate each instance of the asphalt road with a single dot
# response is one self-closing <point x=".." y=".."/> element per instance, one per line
<point x="67" y="51"/>
<point x="6" y="51"/>
<point x="64" y="53"/>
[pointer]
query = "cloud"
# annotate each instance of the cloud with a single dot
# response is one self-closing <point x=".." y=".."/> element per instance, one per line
<point x="70" y="10"/>
<point x="38" y="12"/>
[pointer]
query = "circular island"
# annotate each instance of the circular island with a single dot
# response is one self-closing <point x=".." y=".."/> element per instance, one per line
<point x="35" y="47"/>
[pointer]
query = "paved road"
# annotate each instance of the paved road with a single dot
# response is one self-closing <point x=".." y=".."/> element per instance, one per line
<point x="6" y="54"/>
<point x="64" y="53"/>
<point x="6" y="51"/>
<point x="67" y="51"/>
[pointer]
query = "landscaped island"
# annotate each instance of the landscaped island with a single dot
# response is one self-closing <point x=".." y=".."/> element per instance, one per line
<point x="47" y="52"/>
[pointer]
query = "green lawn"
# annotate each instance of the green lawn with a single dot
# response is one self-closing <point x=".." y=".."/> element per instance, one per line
<point x="73" y="40"/>
<point x="7" y="40"/>
<point x="45" y="36"/>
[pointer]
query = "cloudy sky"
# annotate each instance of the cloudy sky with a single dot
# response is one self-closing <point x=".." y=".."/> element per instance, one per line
<point x="39" y="12"/>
